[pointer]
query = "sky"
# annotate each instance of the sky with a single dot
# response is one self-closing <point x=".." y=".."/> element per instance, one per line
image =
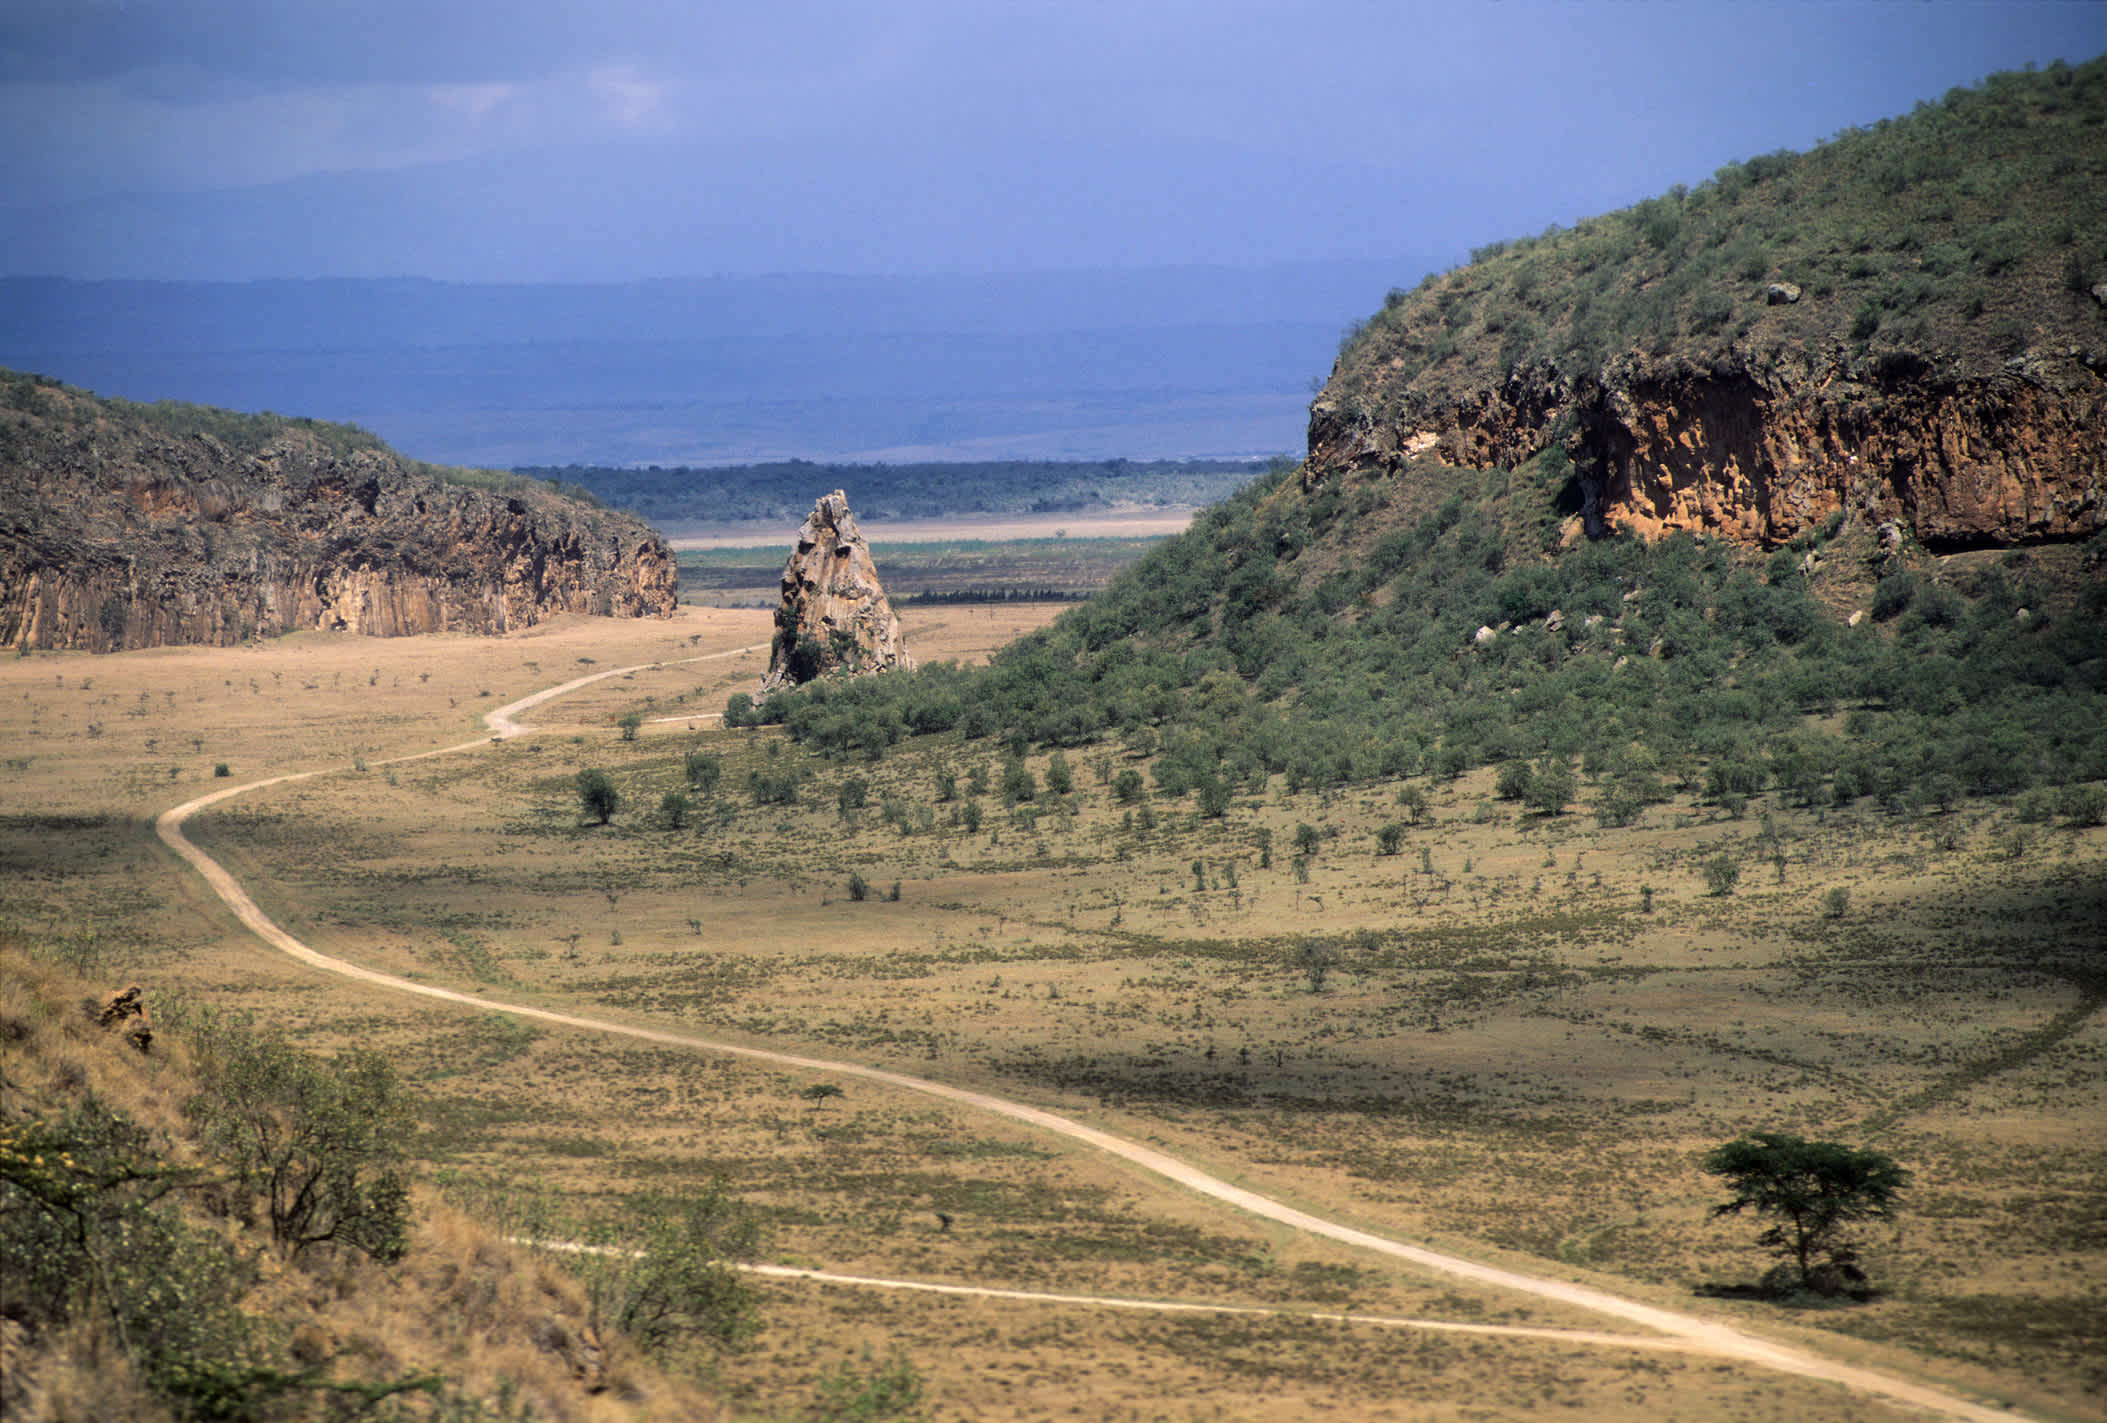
<point x="542" y="140"/>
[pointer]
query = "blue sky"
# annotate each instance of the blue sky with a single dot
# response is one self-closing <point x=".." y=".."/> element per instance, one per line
<point x="527" y="140"/>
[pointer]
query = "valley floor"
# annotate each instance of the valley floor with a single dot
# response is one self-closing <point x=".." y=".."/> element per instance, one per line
<point x="1508" y="1041"/>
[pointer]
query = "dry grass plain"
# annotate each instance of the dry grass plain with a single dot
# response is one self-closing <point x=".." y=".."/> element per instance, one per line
<point x="1525" y="1033"/>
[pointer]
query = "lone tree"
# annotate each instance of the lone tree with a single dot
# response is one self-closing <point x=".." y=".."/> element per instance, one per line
<point x="1815" y="1189"/>
<point x="596" y="792"/>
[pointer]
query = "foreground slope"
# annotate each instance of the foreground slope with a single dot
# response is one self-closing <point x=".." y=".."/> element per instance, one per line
<point x="126" y="526"/>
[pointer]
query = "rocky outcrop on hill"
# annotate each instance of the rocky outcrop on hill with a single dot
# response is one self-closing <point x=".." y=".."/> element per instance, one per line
<point x="835" y="616"/>
<point x="1758" y="456"/>
<point x="117" y="532"/>
<point x="1899" y="324"/>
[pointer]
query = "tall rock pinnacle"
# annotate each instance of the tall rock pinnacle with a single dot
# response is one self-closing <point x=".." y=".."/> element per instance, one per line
<point x="835" y="617"/>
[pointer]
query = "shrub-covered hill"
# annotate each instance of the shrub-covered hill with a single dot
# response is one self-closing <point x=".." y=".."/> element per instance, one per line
<point x="1594" y="511"/>
<point x="1429" y="621"/>
<point x="1909" y="321"/>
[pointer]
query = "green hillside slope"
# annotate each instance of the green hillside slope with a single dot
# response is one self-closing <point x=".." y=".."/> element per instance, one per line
<point x="1398" y="607"/>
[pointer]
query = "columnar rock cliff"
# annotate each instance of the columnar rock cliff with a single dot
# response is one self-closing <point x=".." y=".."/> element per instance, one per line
<point x="834" y="617"/>
<point x="117" y="532"/>
<point x="1758" y="456"/>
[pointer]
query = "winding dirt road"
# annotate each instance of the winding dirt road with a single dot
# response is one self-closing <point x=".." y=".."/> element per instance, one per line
<point x="1686" y="1332"/>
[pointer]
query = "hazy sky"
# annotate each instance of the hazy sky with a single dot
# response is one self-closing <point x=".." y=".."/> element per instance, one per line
<point x="543" y="139"/>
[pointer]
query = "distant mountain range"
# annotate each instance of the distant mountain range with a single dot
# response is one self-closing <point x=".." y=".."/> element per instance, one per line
<point x="1135" y="363"/>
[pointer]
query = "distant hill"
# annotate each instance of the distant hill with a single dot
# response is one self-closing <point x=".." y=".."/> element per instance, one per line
<point x="1137" y="364"/>
<point x="125" y="525"/>
<point x="781" y="492"/>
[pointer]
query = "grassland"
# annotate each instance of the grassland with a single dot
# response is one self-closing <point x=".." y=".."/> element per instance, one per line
<point x="1511" y="1037"/>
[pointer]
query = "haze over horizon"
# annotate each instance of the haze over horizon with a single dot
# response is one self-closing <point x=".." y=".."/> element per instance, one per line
<point x="1218" y="191"/>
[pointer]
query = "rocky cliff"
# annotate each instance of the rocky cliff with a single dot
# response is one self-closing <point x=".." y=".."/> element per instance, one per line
<point x="1759" y="456"/>
<point x="835" y="616"/>
<point x="1907" y="324"/>
<point x="121" y="528"/>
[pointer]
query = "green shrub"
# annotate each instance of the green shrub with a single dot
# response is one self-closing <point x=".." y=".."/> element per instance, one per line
<point x="320" y="1139"/>
<point x="597" y="794"/>
<point x="682" y="1281"/>
<point x="1721" y="875"/>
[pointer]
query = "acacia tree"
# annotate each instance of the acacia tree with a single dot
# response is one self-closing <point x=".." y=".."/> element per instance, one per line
<point x="1815" y="1189"/>
<point x="319" y="1138"/>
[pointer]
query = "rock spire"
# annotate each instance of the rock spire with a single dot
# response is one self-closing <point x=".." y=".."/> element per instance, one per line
<point x="835" y="616"/>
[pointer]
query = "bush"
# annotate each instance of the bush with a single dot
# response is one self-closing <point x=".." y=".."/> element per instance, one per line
<point x="2083" y="806"/>
<point x="1551" y="786"/>
<point x="87" y="1238"/>
<point x="703" y="771"/>
<point x="1390" y="839"/>
<point x="890" y="1392"/>
<point x="682" y="1282"/>
<point x="1721" y="875"/>
<point x="674" y="810"/>
<point x="859" y="888"/>
<point x="320" y="1138"/>
<point x="597" y="794"/>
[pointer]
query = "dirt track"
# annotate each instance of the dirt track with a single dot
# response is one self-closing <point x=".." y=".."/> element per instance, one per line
<point x="1687" y="1332"/>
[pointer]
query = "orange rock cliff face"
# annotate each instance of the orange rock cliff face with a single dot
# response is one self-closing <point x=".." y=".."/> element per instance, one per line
<point x="2014" y="457"/>
<point x="116" y="536"/>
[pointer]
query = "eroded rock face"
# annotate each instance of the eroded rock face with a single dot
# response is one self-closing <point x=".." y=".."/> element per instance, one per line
<point x="835" y="616"/>
<point x="2016" y="457"/>
<point x="116" y="535"/>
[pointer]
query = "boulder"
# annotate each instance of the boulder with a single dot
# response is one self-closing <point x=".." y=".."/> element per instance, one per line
<point x="1781" y="294"/>
<point x="835" y="617"/>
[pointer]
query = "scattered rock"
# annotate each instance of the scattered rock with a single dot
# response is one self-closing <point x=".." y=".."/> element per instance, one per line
<point x="1555" y="620"/>
<point x="835" y="616"/>
<point x="1780" y="294"/>
<point x="125" y="1003"/>
<point x="128" y="1009"/>
<point x="1858" y="616"/>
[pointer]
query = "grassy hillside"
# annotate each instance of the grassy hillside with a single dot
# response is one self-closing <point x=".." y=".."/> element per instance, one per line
<point x="199" y="1221"/>
<point x="1427" y="624"/>
<point x="1957" y="236"/>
